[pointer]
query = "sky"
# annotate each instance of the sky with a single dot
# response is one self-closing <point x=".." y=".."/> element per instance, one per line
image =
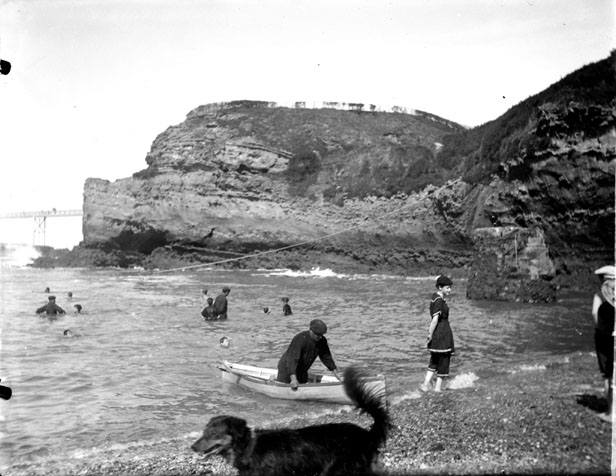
<point x="93" y="82"/>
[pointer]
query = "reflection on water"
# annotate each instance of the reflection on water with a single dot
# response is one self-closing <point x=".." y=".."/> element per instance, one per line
<point x="143" y="363"/>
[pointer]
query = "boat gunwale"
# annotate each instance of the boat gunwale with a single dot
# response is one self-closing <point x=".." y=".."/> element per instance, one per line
<point x="227" y="367"/>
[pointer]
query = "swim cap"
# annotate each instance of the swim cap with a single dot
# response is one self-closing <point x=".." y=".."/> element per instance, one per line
<point x="52" y="298"/>
<point x="608" y="271"/>
<point x="318" y="327"/>
<point x="226" y="288"/>
<point x="443" y="280"/>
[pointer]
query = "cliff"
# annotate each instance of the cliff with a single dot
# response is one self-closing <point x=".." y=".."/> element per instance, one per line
<point x="370" y="190"/>
<point x="264" y="177"/>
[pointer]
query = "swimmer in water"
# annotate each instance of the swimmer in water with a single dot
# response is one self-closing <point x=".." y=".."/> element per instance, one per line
<point x="51" y="308"/>
<point x="47" y="290"/>
<point x="286" y="308"/>
<point x="68" y="333"/>
<point x="224" y="342"/>
<point x="266" y="310"/>
<point x="70" y="295"/>
<point x="204" y="298"/>
<point x="78" y="308"/>
<point x="208" y="311"/>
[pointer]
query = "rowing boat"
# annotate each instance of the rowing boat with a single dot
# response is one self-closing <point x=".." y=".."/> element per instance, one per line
<point x="320" y="387"/>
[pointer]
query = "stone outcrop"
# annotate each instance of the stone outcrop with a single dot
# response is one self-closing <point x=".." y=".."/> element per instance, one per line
<point x="264" y="178"/>
<point x="511" y="264"/>
<point x="367" y="191"/>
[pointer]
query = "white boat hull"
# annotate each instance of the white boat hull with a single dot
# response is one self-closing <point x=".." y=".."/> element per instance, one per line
<point x="324" y="388"/>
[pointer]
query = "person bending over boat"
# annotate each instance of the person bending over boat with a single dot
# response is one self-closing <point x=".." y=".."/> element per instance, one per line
<point x="302" y="352"/>
<point x="51" y="308"/>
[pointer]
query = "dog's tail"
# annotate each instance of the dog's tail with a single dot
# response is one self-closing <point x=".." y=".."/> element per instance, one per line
<point x="368" y="400"/>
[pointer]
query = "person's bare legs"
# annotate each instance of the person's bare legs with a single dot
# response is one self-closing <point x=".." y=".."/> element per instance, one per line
<point x="439" y="384"/>
<point x="607" y="416"/>
<point x="426" y="385"/>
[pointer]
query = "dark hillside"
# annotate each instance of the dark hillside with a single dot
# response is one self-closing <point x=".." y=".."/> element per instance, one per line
<point x="478" y="153"/>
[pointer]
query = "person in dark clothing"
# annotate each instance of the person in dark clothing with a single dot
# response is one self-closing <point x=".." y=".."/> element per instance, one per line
<point x="208" y="311"/>
<point x="286" y="308"/>
<point x="220" y="304"/>
<point x="603" y="316"/>
<point x="440" y="336"/>
<point x="301" y="354"/>
<point x="51" y="308"/>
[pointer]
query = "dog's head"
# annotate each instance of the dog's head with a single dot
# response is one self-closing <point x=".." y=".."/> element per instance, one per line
<point x="223" y="435"/>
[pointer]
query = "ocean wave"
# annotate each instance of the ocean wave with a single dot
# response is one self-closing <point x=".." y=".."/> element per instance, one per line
<point x="18" y="255"/>
<point x="313" y="273"/>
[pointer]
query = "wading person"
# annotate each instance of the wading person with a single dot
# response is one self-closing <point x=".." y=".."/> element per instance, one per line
<point x="302" y="352"/>
<point x="440" y="337"/>
<point x="286" y="307"/>
<point x="603" y="316"/>
<point x="220" y="304"/>
<point x="208" y="311"/>
<point x="51" y="308"/>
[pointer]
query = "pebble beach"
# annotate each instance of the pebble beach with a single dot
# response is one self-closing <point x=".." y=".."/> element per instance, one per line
<point x="537" y="420"/>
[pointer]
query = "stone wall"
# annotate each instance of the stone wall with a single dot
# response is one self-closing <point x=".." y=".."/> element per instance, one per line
<point x="511" y="264"/>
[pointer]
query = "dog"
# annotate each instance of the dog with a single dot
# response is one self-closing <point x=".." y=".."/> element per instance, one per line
<point x="326" y="450"/>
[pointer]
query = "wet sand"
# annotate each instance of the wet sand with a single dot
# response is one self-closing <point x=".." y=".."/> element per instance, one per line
<point x="539" y="420"/>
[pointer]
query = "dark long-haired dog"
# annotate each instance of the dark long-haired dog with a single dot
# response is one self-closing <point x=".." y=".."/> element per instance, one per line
<point x="328" y="449"/>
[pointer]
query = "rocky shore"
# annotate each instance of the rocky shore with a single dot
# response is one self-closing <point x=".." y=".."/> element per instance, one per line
<point x="539" y="420"/>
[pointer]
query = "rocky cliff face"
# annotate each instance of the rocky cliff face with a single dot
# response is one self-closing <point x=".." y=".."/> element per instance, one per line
<point x="265" y="178"/>
<point x="372" y="190"/>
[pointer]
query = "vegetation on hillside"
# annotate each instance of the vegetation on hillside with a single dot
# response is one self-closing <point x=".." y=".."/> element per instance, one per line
<point x="477" y="153"/>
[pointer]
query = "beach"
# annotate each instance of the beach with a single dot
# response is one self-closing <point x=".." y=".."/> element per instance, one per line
<point x="533" y="420"/>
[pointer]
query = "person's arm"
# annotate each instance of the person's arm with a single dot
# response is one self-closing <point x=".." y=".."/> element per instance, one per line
<point x="433" y="325"/>
<point x="596" y="303"/>
<point x="435" y="311"/>
<point x="293" y="356"/>
<point x="326" y="357"/>
<point x="41" y="309"/>
<point x="336" y="374"/>
<point x="60" y="310"/>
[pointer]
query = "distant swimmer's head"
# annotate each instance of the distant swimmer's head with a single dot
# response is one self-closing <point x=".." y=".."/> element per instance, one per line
<point x="70" y="294"/>
<point x="266" y="310"/>
<point x="78" y="308"/>
<point x="68" y="333"/>
<point x="224" y="342"/>
<point x="285" y="299"/>
<point x="47" y="290"/>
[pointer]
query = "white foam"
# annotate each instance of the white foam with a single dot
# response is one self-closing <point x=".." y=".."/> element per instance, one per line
<point x="314" y="273"/>
<point x="412" y="395"/>
<point x="528" y="368"/>
<point x="466" y="380"/>
<point x="19" y="255"/>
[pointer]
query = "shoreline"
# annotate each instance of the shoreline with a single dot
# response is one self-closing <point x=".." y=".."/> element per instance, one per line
<point x="528" y="421"/>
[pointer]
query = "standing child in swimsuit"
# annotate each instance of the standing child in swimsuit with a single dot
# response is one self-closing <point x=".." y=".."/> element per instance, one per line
<point x="440" y="336"/>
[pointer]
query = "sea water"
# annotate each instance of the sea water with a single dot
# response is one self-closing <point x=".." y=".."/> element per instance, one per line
<point x="142" y="365"/>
